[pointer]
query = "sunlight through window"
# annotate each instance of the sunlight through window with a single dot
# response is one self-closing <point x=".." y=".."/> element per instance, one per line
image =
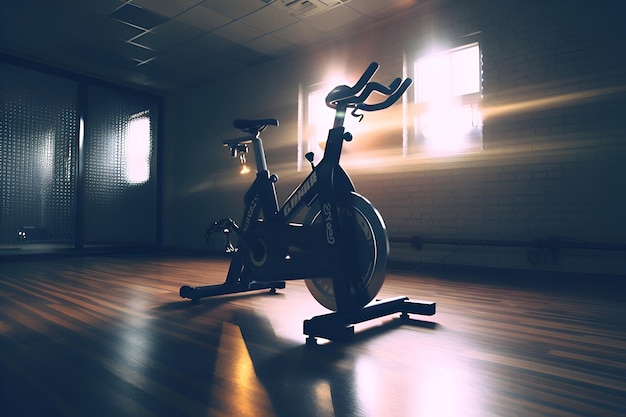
<point x="138" y="146"/>
<point x="448" y="96"/>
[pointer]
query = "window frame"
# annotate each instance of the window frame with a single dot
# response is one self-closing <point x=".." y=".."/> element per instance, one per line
<point x="415" y="142"/>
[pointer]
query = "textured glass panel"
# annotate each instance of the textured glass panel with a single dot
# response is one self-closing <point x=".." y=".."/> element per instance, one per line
<point x="120" y="183"/>
<point x="37" y="157"/>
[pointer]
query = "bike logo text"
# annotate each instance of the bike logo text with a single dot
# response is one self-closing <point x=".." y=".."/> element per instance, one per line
<point x="297" y="196"/>
<point x="328" y="218"/>
<point x="249" y="214"/>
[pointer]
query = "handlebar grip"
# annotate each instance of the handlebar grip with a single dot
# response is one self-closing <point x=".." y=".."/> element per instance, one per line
<point x="379" y="88"/>
<point x="343" y="91"/>
<point x="391" y="99"/>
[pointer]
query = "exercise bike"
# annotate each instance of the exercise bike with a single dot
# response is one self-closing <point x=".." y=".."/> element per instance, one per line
<point x="324" y="232"/>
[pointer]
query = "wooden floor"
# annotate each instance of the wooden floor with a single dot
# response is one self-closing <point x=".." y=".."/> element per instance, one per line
<point x="109" y="336"/>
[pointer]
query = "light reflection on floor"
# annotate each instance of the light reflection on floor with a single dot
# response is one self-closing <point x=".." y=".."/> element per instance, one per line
<point x="235" y="378"/>
<point x="360" y="379"/>
<point x="433" y="384"/>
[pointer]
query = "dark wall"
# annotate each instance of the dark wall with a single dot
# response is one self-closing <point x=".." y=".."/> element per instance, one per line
<point x="554" y="94"/>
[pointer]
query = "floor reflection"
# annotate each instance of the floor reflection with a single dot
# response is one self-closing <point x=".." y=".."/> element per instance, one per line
<point x="299" y="380"/>
<point x="360" y="378"/>
<point x="92" y="337"/>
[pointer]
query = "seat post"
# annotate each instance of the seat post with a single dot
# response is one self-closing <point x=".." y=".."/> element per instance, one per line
<point x="259" y="153"/>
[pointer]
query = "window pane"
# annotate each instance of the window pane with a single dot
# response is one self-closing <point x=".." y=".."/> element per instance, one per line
<point x="138" y="148"/>
<point x="38" y="114"/>
<point x="466" y="71"/>
<point x="120" y="190"/>
<point x="448" y="117"/>
<point x="433" y="74"/>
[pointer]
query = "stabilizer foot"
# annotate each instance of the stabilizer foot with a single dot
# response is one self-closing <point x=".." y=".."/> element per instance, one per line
<point x="196" y="293"/>
<point x="337" y="327"/>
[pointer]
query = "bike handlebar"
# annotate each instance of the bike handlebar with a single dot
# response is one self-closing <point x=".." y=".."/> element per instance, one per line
<point x="343" y="92"/>
<point x="346" y="96"/>
<point x="391" y="98"/>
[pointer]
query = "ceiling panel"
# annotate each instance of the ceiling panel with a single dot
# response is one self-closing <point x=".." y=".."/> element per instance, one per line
<point x="299" y="33"/>
<point x="239" y="32"/>
<point x="234" y="9"/>
<point x="269" y="45"/>
<point x="98" y="6"/>
<point x="135" y="52"/>
<point x="154" y="41"/>
<point x="242" y="55"/>
<point x="204" y="18"/>
<point x="192" y="70"/>
<point x="380" y="8"/>
<point x="268" y="19"/>
<point x="209" y="43"/>
<point x="107" y="31"/>
<point x="178" y="31"/>
<point x="167" y="8"/>
<point x="178" y="43"/>
<point x="338" y="17"/>
<point x="137" y="16"/>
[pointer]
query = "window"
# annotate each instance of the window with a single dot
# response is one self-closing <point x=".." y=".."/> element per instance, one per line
<point x="448" y="93"/>
<point x="138" y="150"/>
<point x="441" y="114"/>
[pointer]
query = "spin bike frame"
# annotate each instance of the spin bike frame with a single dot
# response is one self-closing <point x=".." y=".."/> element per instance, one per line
<point x="325" y="249"/>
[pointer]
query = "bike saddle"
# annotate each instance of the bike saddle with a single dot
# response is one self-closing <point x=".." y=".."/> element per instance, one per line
<point x="251" y="126"/>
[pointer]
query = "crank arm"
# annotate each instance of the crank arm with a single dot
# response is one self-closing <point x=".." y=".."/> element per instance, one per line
<point x="226" y="226"/>
<point x="221" y="225"/>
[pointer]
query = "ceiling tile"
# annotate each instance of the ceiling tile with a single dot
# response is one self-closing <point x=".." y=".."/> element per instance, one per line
<point x="193" y="40"/>
<point x="269" y="45"/>
<point x="299" y="33"/>
<point x="334" y="18"/>
<point x="138" y="16"/>
<point x="234" y="9"/>
<point x="106" y="30"/>
<point x="380" y="8"/>
<point x="154" y="41"/>
<point x="204" y="18"/>
<point x="306" y="8"/>
<point x="191" y="71"/>
<point x="370" y="7"/>
<point x="130" y="51"/>
<point x="209" y="43"/>
<point x="243" y="55"/>
<point x="167" y="8"/>
<point x="214" y="62"/>
<point x="179" y="57"/>
<point x="196" y="49"/>
<point x="238" y="32"/>
<point x="177" y="30"/>
<point x="99" y="6"/>
<point x="268" y="19"/>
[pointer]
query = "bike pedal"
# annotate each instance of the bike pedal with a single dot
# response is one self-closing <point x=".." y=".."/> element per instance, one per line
<point x="231" y="249"/>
